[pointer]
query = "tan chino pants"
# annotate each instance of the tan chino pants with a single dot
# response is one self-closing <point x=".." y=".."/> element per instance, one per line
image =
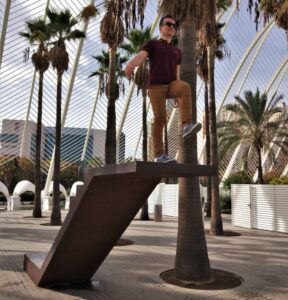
<point x="158" y="95"/>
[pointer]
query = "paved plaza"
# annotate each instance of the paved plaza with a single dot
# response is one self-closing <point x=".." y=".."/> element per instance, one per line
<point x="132" y="272"/>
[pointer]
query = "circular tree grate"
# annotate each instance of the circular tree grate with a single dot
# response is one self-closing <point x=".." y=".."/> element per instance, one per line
<point x="222" y="280"/>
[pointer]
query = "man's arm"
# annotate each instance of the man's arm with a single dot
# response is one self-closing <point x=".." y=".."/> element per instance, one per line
<point x="136" y="61"/>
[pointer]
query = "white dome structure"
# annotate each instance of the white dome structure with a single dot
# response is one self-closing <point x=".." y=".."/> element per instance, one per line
<point x="22" y="187"/>
<point x="4" y="190"/>
<point x="61" y="188"/>
<point x="74" y="187"/>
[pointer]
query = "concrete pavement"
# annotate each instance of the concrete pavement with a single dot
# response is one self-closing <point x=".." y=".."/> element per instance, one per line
<point x="132" y="272"/>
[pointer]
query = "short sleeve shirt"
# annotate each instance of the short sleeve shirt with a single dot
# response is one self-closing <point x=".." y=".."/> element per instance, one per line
<point x="163" y="60"/>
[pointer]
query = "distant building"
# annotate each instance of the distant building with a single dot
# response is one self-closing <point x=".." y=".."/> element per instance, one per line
<point x="72" y="141"/>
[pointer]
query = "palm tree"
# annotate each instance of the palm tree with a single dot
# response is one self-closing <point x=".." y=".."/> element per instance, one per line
<point x="221" y="51"/>
<point x="136" y="39"/>
<point x="8" y="172"/>
<point x="257" y="123"/>
<point x="269" y="9"/>
<point x="192" y="262"/>
<point x="103" y="71"/>
<point x="38" y="33"/>
<point x="60" y="24"/>
<point x="208" y="35"/>
<point x="112" y="33"/>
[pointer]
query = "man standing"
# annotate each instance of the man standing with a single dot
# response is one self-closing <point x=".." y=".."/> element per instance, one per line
<point x="164" y="82"/>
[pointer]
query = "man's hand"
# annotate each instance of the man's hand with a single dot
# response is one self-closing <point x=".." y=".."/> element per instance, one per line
<point x="135" y="62"/>
<point x="129" y="69"/>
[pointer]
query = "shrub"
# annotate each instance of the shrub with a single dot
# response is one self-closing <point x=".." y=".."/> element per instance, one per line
<point x="267" y="177"/>
<point x="225" y="200"/>
<point x="279" y="180"/>
<point x="236" y="178"/>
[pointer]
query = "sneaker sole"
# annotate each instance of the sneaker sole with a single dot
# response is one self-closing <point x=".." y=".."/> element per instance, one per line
<point x="166" y="161"/>
<point x="196" y="128"/>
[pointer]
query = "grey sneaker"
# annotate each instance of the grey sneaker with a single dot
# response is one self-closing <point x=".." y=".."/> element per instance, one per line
<point x="189" y="128"/>
<point x="165" y="159"/>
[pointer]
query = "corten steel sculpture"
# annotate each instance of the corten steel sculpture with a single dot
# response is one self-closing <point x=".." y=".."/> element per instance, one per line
<point x="102" y="210"/>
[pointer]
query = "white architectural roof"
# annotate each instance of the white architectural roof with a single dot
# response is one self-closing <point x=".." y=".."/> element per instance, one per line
<point x="4" y="190"/>
<point x="258" y="59"/>
<point x="22" y="187"/>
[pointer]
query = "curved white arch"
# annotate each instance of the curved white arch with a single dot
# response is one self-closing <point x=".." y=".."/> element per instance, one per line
<point x="74" y="187"/>
<point x="279" y="74"/>
<point x="264" y="33"/>
<point x="61" y="188"/>
<point x="22" y="187"/>
<point x="4" y="190"/>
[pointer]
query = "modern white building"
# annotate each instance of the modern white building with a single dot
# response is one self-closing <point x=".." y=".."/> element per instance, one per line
<point x="73" y="139"/>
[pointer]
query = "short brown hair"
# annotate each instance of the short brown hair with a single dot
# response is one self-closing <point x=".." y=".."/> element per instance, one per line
<point x="166" y="17"/>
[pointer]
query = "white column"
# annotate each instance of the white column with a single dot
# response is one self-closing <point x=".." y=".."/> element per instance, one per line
<point x="90" y="125"/>
<point x="4" y="29"/>
<point x="13" y="203"/>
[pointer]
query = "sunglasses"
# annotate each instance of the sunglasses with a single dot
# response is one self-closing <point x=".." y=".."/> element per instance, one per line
<point x="169" y="24"/>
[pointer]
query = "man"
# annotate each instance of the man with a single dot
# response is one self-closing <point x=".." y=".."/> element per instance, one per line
<point x="164" y="82"/>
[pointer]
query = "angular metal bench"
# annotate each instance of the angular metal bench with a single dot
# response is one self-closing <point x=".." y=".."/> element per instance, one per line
<point x="102" y="210"/>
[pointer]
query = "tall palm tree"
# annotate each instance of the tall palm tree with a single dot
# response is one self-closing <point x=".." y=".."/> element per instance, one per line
<point x="208" y="35"/>
<point x="136" y="39"/>
<point x="192" y="262"/>
<point x="61" y="25"/>
<point x="257" y="123"/>
<point x="112" y="33"/>
<point x="38" y="33"/>
<point x="220" y="52"/>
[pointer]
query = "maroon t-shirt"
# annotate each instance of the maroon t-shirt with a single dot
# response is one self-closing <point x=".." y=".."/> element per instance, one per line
<point x="163" y="59"/>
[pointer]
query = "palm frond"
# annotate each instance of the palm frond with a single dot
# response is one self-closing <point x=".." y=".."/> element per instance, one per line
<point x="75" y="35"/>
<point x="88" y="12"/>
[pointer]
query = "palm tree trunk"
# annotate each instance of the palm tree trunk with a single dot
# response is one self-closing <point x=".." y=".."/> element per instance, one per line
<point x="192" y="262"/>
<point x="37" y="213"/>
<point x="56" y="212"/>
<point x="259" y="167"/>
<point x="110" y="144"/>
<point x="144" y="216"/>
<point x="216" y="226"/>
<point x="208" y="160"/>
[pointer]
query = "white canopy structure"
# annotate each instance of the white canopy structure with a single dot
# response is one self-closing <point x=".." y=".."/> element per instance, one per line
<point x="74" y="187"/>
<point x="61" y="188"/>
<point x="258" y="59"/>
<point x="22" y="187"/>
<point x="4" y="190"/>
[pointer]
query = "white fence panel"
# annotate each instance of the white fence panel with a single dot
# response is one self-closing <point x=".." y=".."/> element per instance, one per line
<point x="263" y="207"/>
<point x="240" y="198"/>
<point x="170" y="203"/>
<point x="281" y="208"/>
<point x="167" y="195"/>
<point x="268" y="203"/>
